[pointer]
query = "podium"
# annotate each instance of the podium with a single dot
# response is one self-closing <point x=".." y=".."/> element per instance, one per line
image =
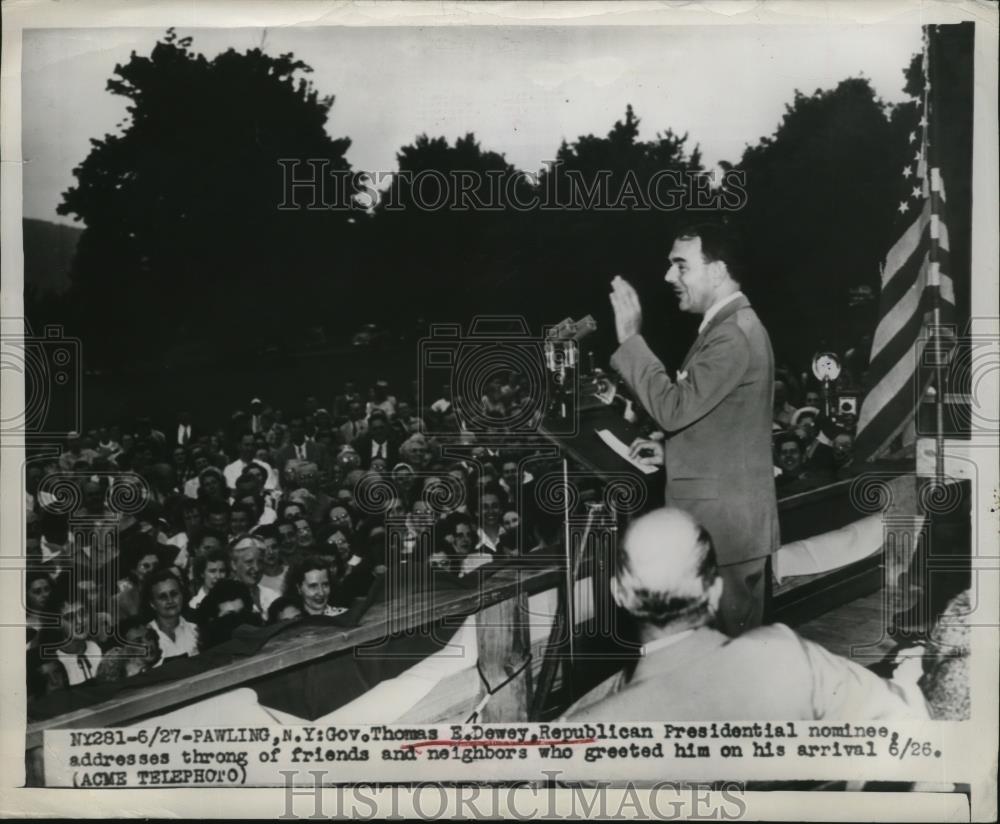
<point x="583" y="446"/>
<point x="588" y="542"/>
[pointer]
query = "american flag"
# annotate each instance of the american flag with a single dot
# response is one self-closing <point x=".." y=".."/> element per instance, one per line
<point x="914" y="335"/>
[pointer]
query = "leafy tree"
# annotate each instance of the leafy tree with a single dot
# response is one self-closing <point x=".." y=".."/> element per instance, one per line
<point x="184" y="236"/>
<point x="819" y="218"/>
<point x="578" y="246"/>
<point x="444" y="229"/>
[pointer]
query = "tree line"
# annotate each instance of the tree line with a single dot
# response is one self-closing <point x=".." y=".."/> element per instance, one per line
<point x="184" y="243"/>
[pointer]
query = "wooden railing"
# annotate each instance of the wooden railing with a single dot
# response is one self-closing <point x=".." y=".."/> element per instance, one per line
<point x="500" y="604"/>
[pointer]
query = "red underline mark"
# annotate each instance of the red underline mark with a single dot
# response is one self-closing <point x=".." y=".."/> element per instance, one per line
<point x="487" y="743"/>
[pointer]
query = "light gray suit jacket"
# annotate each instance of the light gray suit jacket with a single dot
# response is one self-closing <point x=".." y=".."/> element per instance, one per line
<point x="768" y="673"/>
<point x="717" y="418"/>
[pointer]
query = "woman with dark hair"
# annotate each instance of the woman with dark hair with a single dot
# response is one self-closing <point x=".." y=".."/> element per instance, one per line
<point x="44" y="676"/>
<point x="208" y="569"/>
<point x="163" y="596"/>
<point x="141" y="556"/>
<point x="212" y="486"/>
<point x="309" y="584"/>
<point x="283" y="609"/>
<point x="38" y="601"/>
<point x="227" y="606"/>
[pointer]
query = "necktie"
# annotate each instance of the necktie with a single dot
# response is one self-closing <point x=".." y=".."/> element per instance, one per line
<point x="84" y="663"/>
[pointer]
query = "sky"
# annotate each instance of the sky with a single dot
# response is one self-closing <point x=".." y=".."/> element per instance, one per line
<point x="520" y="90"/>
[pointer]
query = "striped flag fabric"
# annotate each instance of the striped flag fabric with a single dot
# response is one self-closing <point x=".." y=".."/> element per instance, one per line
<point x="915" y="330"/>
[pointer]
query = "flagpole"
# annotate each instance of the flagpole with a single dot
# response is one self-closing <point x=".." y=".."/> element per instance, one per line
<point x="934" y="260"/>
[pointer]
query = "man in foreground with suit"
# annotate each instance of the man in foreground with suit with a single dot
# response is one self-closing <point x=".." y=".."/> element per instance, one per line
<point x="668" y="580"/>
<point x="716" y="415"/>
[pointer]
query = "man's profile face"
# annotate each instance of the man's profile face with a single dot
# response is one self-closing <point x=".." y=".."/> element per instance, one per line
<point x="690" y="276"/>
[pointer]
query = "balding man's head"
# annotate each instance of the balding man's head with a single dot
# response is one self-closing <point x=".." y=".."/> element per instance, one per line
<point x="667" y="570"/>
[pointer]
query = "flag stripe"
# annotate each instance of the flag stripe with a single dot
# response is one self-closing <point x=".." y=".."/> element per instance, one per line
<point x="917" y="292"/>
<point x="908" y="326"/>
<point x="903" y="337"/>
<point x="904" y="248"/>
<point x="897" y="379"/>
<point x="899" y="314"/>
<point x="894" y="414"/>
<point x="904" y="280"/>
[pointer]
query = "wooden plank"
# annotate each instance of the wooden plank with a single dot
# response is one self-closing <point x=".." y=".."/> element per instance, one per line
<point x="504" y="646"/>
<point x="285" y="652"/>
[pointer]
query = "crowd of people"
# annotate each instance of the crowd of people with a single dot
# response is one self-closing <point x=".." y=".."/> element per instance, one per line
<point x="276" y="516"/>
<point x="281" y="514"/>
<point x="813" y="437"/>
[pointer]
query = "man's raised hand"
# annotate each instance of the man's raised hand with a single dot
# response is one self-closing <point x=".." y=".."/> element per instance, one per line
<point x="628" y="312"/>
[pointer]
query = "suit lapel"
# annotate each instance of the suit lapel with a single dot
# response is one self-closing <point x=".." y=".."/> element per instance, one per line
<point x="730" y="308"/>
<point x="692" y="351"/>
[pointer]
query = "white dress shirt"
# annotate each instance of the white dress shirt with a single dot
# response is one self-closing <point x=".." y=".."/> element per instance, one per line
<point x="184" y="642"/>
<point x="82" y="667"/>
<point x="275" y="583"/>
<point x="183" y="434"/>
<point x="485" y="542"/>
<point x="713" y="310"/>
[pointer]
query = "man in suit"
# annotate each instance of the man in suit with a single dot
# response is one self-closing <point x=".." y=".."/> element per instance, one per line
<point x="185" y="433"/>
<point x="668" y="580"/>
<point x="300" y="449"/>
<point x="378" y="441"/>
<point x="716" y="414"/>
